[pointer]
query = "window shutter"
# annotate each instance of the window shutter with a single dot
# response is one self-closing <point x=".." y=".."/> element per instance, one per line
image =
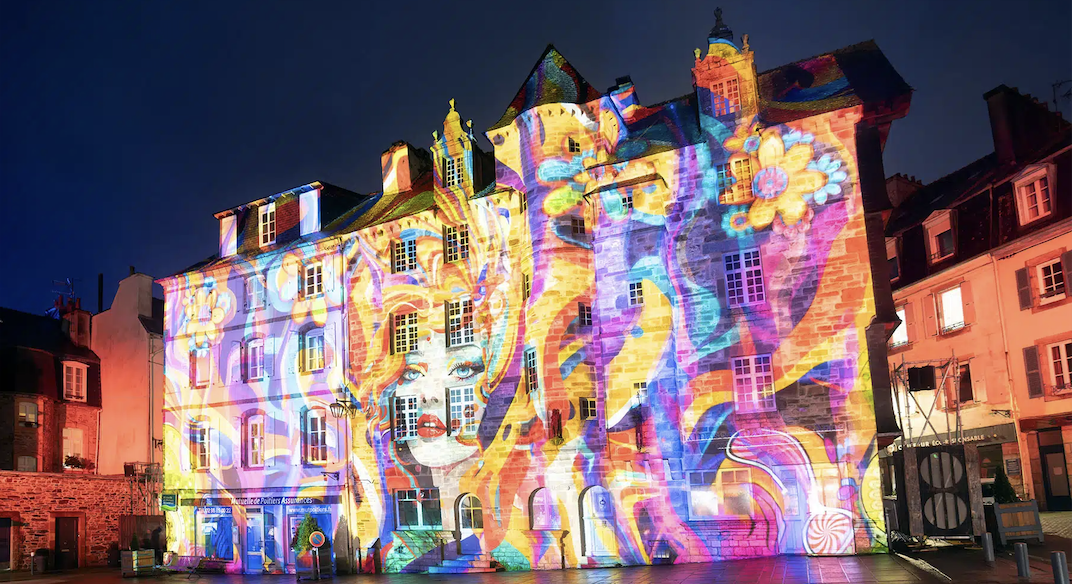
<point x="301" y="353"/>
<point x="1023" y="288"/>
<point x="234" y="458"/>
<point x="242" y="443"/>
<point x="930" y="316"/>
<point x="912" y="321"/>
<point x="394" y="252"/>
<point x="446" y="321"/>
<point x="269" y="356"/>
<point x="1066" y="270"/>
<point x="301" y="282"/>
<point x="217" y="376"/>
<point x="249" y="291"/>
<point x="235" y="363"/>
<point x="214" y="448"/>
<point x="303" y="424"/>
<point x="1034" y="376"/>
<point x="967" y="301"/>
<point x="391" y="334"/>
<point x="186" y="463"/>
<point x="269" y="440"/>
<point x="446" y="400"/>
<point x="329" y="272"/>
<point x="394" y="415"/>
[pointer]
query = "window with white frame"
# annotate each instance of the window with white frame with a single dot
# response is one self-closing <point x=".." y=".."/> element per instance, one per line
<point x="892" y="259"/>
<point x="627" y="201"/>
<point x="1034" y="199"/>
<point x="744" y="278"/>
<point x="726" y="95"/>
<point x="255" y="440"/>
<point x="640" y="392"/>
<point x="636" y="293"/>
<point x="573" y="146"/>
<point x="577" y="227"/>
<point x="314" y="279"/>
<point x="316" y="436"/>
<point x="199" y="444"/>
<point x="201" y="364"/>
<point x="314" y="350"/>
<point x="735" y="492"/>
<point x="722" y="493"/>
<point x="470" y="512"/>
<point x="72" y="442"/>
<point x="1051" y="280"/>
<point x="532" y="376"/>
<point x="456" y="243"/>
<point x="941" y="238"/>
<point x="753" y="384"/>
<point x="418" y="509"/>
<point x="404" y="337"/>
<point x="462" y="404"/>
<point x="900" y="334"/>
<point x="27" y="464"/>
<point x="255" y="359"/>
<point x="584" y="314"/>
<point x="74" y="381"/>
<point x="267" y="213"/>
<point x="703" y="497"/>
<point x="28" y="413"/>
<point x="950" y="310"/>
<point x="723" y="183"/>
<point x="459" y="322"/>
<point x="1060" y="357"/>
<point x="742" y="188"/>
<point x="254" y="292"/>
<point x="452" y="173"/>
<point x="405" y="418"/>
<point x="588" y="408"/>
<point x="544" y="510"/>
<point x="405" y="256"/>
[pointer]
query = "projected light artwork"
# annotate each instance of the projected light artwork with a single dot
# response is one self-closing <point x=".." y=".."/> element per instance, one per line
<point x="630" y="335"/>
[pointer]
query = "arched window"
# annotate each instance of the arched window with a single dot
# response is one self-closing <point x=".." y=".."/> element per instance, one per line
<point x="316" y="435"/>
<point x="255" y="441"/>
<point x="470" y="513"/>
<point x="543" y="509"/>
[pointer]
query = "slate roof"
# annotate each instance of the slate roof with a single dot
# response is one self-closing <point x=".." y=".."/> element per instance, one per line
<point x="552" y="80"/>
<point x="37" y="331"/>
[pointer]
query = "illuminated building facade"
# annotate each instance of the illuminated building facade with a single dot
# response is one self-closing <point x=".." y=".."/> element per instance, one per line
<point x="626" y="335"/>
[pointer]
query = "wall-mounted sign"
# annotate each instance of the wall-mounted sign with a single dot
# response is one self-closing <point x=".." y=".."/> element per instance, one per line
<point x="316" y="539"/>
<point x="248" y="501"/>
<point x="1012" y="466"/>
<point x="169" y="501"/>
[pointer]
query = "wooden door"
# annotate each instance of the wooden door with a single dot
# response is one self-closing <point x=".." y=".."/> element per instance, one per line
<point x="66" y="543"/>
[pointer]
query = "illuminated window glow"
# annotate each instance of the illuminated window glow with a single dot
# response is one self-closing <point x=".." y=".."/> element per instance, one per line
<point x="267" y="214"/>
<point x="74" y="381"/>
<point x="314" y="279"/>
<point x="1060" y="355"/>
<point x="1033" y="197"/>
<point x="28" y="413"/>
<point x="951" y="310"/>
<point x="460" y="320"/>
<point x="452" y="173"/>
<point x="463" y="421"/>
<point x="255" y="359"/>
<point x="314" y="350"/>
<point x="316" y="436"/>
<point x="405" y="256"/>
<point x="1051" y="279"/>
<point x="255" y="441"/>
<point x="753" y="384"/>
<point x="900" y="334"/>
<point x="405" y="333"/>
<point x="744" y="278"/>
<point x="456" y="243"/>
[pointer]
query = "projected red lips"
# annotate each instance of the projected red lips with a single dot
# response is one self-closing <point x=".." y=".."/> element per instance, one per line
<point x="429" y="426"/>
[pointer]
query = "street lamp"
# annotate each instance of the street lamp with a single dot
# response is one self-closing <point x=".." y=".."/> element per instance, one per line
<point x="341" y="409"/>
<point x="346" y="409"/>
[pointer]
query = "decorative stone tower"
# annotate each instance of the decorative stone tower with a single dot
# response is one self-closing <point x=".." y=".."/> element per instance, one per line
<point x="726" y="74"/>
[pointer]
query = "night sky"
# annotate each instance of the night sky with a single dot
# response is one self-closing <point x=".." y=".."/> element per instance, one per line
<point x="125" y="126"/>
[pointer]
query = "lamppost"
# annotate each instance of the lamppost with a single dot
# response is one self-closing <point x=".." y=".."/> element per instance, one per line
<point x="349" y="410"/>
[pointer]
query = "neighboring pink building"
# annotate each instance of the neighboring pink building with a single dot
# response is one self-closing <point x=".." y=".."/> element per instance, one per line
<point x="979" y="261"/>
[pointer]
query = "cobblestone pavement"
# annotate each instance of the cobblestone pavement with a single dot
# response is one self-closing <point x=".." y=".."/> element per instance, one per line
<point x="1059" y="524"/>
<point x="781" y="570"/>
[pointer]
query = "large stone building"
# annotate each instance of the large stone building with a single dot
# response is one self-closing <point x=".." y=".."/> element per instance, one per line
<point x="980" y="264"/>
<point x="627" y="334"/>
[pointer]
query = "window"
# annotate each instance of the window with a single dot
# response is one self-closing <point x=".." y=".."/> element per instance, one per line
<point x="964" y="386"/>
<point x="640" y="392"/>
<point x="255" y="441"/>
<point x="27" y="464"/>
<point x="1051" y="281"/>
<point x="900" y="334"/>
<point x="584" y="314"/>
<point x="726" y="95"/>
<point x="742" y="189"/>
<point x="74" y="381"/>
<point x="201" y="364"/>
<point x="577" y="227"/>
<point x="950" y="310"/>
<point x="744" y="278"/>
<point x="405" y="333"/>
<point x="267" y="224"/>
<point x="526" y="287"/>
<point x="405" y="256"/>
<point x="470" y="513"/>
<point x="941" y="240"/>
<point x="627" y="202"/>
<point x="316" y="436"/>
<point x="456" y="242"/>
<point x="28" y="413"/>
<point x="544" y="510"/>
<point x="720" y="493"/>
<point x="532" y="378"/>
<point x="452" y="173"/>
<point x="314" y="355"/>
<point x="636" y="294"/>
<point x="588" y="408"/>
<point x="314" y="279"/>
<point x="462" y="403"/>
<point x="523" y="203"/>
<point x="892" y="259"/>
<point x="418" y="508"/>
<point x="1060" y="355"/>
<point x="1033" y="197"/>
<point x="753" y="384"/>
<point x="703" y="500"/>
<point x="573" y="146"/>
<point x="199" y="444"/>
<point x="254" y="293"/>
<point x="405" y="418"/>
<point x="255" y="359"/>
<point x="72" y="442"/>
<point x="459" y="322"/>
<point x="735" y="490"/>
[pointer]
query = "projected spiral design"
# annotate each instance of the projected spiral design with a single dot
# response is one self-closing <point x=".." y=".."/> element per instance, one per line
<point x="829" y="532"/>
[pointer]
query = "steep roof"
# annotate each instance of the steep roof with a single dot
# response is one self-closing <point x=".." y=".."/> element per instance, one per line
<point x="37" y="331"/>
<point x="552" y="80"/>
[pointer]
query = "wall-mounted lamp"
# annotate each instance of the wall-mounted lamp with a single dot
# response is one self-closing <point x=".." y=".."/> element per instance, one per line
<point x="333" y="475"/>
<point x="341" y="409"/>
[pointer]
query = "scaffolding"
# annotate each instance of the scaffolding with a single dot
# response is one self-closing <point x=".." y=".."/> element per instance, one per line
<point x="949" y="368"/>
<point x="146" y="481"/>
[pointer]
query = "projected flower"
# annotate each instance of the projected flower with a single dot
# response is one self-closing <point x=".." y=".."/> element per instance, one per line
<point x="831" y="167"/>
<point x="782" y="181"/>
<point x="744" y="139"/>
<point x="735" y="222"/>
<point x="206" y="309"/>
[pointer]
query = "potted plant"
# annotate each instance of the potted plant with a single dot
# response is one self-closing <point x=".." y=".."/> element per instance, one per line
<point x="135" y="560"/>
<point x="305" y="553"/>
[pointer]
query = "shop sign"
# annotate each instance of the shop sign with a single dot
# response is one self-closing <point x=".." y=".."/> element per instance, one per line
<point x="311" y="509"/>
<point x="1012" y="466"/>
<point x="169" y="501"/>
<point x="214" y="510"/>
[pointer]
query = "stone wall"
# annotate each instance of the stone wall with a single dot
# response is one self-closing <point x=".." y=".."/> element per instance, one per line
<point x="34" y="500"/>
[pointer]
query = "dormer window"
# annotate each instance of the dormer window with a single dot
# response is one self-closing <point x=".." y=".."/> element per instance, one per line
<point x="267" y="224"/>
<point x="228" y="236"/>
<point x="1034" y="197"/>
<point x="941" y="239"/>
<point x="452" y="173"/>
<point x="726" y="95"/>
<point x="74" y="381"/>
<point x="309" y="203"/>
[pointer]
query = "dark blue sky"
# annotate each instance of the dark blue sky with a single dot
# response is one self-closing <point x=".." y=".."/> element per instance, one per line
<point x="125" y="125"/>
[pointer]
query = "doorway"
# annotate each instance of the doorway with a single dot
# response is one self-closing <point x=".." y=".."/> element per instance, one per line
<point x="254" y="541"/>
<point x="5" y="543"/>
<point x="1054" y="471"/>
<point x="600" y="537"/>
<point x="66" y="543"/>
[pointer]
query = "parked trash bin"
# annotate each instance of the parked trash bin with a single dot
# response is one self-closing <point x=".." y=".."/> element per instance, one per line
<point x="39" y="561"/>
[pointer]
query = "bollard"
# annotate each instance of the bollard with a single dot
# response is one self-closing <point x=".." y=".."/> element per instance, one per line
<point x="1023" y="570"/>
<point x="988" y="547"/>
<point x="1060" y="567"/>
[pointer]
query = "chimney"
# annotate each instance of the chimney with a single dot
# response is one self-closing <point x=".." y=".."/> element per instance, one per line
<point x="1019" y="124"/>
<point x="401" y="165"/>
<point x="131" y="270"/>
<point x="900" y="188"/>
<point x="100" y="293"/>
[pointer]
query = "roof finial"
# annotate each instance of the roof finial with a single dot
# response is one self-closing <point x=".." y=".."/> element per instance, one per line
<point x="696" y="53"/>
<point x="452" y="104"/>
<point x="720" y="31"/>
<point x="744" y="42"/>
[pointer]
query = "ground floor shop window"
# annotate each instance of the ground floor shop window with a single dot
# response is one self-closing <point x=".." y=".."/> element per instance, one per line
<point x="215" y="532"/>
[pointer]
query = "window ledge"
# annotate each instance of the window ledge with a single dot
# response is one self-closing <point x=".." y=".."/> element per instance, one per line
<point x="954" y="331"/>
<point x="898" y="348"/>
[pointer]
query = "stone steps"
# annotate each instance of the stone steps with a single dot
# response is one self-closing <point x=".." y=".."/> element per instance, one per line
<point x="464" y="564"/>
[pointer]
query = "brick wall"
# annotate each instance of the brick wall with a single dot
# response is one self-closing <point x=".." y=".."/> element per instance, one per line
<point x="34" y="500"/>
